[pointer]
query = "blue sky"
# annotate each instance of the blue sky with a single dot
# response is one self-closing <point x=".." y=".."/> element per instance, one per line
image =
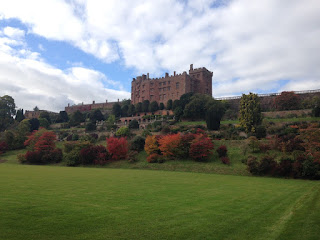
<point x="56" y="52"/>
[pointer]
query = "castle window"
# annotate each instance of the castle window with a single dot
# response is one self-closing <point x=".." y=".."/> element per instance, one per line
<point x="177" y="94"/>
<point x="142" y="91"/>
<point x="168" y="82"/>
<point x="164" y="83"/>
<point x="177" y="85"/>
<point x="151" y="84"/>
<point x="142" y="86"/>
<point x="164" y="96"/>
<point x="142" y="98"/>
<point x="151" y="97"/>
<point x="164" y="89"/>
<point x="151" y="89"/>
<point x="160" y="84"/>
<point x="160" y="89"/>
<point x="168" y="88"/>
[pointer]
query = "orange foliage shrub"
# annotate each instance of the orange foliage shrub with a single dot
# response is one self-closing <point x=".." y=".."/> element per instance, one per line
<point x="151" y="145"/>
<point x="170" y="145"/>
<point x="117" y="147"/>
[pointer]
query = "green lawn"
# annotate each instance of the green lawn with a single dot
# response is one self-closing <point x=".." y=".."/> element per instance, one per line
<point x="47" y="202"/>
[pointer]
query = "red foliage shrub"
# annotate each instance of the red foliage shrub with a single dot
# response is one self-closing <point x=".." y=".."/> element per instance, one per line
<point x="45" y="142"/>
<point x="264" y="147"/>
<point x="287" y="101"/>
<point x="3" y="147"/>
<point x="117" y="147"/>
<point x="94" y="155"/>
<point x="252" y="165"/>
<point x="186" y="140"/>
<point x="222" y="151"/>
<point x="225" y="160"/>
<point x="53" y="156"/>
<point x="153" y="158"/>
<point x="170" y="146"/>
<point x="200" y="148"/>
<point x="33" y="157"/>
<point x="267" y="165"/>
<point x="284" y="168"/>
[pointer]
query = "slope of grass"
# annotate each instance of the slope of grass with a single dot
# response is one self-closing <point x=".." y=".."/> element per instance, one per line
<point x="46" y="202"/>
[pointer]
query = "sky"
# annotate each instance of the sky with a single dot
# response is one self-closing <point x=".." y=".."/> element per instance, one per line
<point x="55" y="52"/>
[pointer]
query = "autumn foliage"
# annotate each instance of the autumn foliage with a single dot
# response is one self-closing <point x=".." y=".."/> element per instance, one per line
<point x="170" y="146"/>
<point x="151" y="145"/>
<point x="200" y="148"/>
<point x="117" y="147"/>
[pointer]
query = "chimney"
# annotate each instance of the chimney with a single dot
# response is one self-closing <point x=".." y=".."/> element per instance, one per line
<point x="93" y="102"/>
<point x="68" y="104"/>
<point x="118" y="99"/>
<point x="106" y="101"/>
<point x="191" y="67"/>
<point x="167" y="74"/>
<point x="82" y="103"/>
<point x="174" y="73"/>
<point x="147" y="75"/>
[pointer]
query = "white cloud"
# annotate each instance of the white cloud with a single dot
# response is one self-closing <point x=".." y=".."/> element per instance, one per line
<point x="32" y="82"/>
<point x="14" y="33"/>
<point x="258" y="43"/>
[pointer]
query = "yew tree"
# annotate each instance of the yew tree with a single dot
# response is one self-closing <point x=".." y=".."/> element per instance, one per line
<point x="250" y="112"/>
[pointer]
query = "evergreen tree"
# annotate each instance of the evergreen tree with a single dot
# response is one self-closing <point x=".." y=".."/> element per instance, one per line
<point x="145" y="106"/>
<point x="124" y="111"/>
<point x="138" y="107"/>
<point x="131" y="110"/>
<point x="250" y="112"/>
<point x="45" y="115"/>
<point x="116" y="110"/>
<point x="153" y="106"/>
<point x="161" y="106"/>
<point x="7" y="111"/>
<point x="169" y="104"/>
<point x="214" y="112"/>
<point x="19" y="115"/>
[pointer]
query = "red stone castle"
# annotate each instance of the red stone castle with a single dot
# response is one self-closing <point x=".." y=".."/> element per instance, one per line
<point x="199" y="80"/>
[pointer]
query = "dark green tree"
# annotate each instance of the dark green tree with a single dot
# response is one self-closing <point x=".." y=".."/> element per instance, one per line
<point x="178" y="112"/>
<point x="145" y="105"/>
<point x="116" y="110"/>
<point x="44" y="123"/>
<point x="96" y="115"/>
<point x="153" y="106"/>
<point x="169" y="104"/>
<point x="76" y="118"/>
<point x="20" y="115"/>
<point x="34" y="124"/>
<point x="176" y="103"/>
<point x="90" y="126"/>
<point x="124" y="111"/>
<point x="214" y="112"/>
<point x="36" y="109"/>
<point x="250" y="112"/>
<point x="138" y="107"/>
<point x="131" y="110"/>
<point x="7" y="111"/>
<point x="62" y="117"/>
<point x="45" y="115"/>
<point x="196" y="107"/>
<point x="134" y="124"/>
<point x="185" y="99"/>
<point x="161" y="106"/>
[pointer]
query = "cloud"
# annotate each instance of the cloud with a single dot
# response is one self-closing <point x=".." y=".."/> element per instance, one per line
<point x="33" y="82"/>
<point x="249" y="45"/>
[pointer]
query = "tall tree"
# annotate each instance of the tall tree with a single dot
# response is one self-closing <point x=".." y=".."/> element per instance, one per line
<point x="138" y="107"/>
<point x="176" y="103"/>
<point x="116" y="110"/>
<point x="196" y="107"/>
<point x="250" y="112"/>
<point x="124" y="111"/>
<point x="145" y="106"/>
<point x="96" y="115"/>
<point x="76" y="118"/>
<point x="35" y="124"/>
<point x="214" y="112"/>
<point x="169" y="104"/>
<point x="45" y="115"/>
<point x="161" y="106"/>
<point x="62" y="117"/>
<point x="7" y="111"/>
<point x="131" y="110"/>
<point x="36" y="109"/>
<point x="19" y="115"/>
<point x="153" y="106"/>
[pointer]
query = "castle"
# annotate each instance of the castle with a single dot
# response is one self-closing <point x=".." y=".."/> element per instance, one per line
<point x="199" y="80"/>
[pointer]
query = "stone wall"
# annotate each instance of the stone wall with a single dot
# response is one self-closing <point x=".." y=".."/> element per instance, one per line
<point x="88" y="107"/>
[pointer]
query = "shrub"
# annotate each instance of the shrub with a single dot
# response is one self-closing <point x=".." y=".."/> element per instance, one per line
<point x="186" y="140"/>
<point x="165" y="130"/>
<point x="146" y="133"/>
<point x="137" y="143"/>
<point x="253" y="144"/>
<point x="132" y="157"/>
<point x="3" y="147"/>
<point x="284" y="168"/>
<point x="222" y="151"/>
<point x="267" y="165"/>
<point x="225" y="160"/>
<point x="170" y="146"/>
<point x="260" y="132"/>
<point x="153" y="158"/>
<point x="117" y="147"/>
<point x="75" y="137"/>
<point x="151" y="145"/>
<point x="53" y="156"/>
<point x="200" y="148"/>
<point x="90" y="154"/>
<point x="72" y="158"/>
<point x="134" y="124"/>
<point x="90" y="127"/>
<point x="252" y="165"/>
<point x="264" y="147"/>
<point x="123" y="132"/>
<point x="33" y="157"/>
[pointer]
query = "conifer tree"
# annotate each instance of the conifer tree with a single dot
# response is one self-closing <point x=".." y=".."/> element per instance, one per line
<point x="250" y="112"/>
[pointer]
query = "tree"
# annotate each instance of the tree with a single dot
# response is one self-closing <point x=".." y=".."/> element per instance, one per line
<point x="214" y="112"/>
<point x="7" y="111"/>
<point x="116" y="110"/>
<point x="124" y="111"/>
<point x="90" y="126"/>
<point x="287" y="101"/>
<point x="117" y="147"/>
<point x="153" y="106"/>
<point x="62" y="117"/>
<point x="176" y="103"/>
<point x="250" y="112"/>
<point x="138" y="107"/>
<point x="145" y="106"/>
<point x="131" y="110"/>
<point x="134" y="124"/>
<point x="36" y="109"/>
<point x="161" y="106"/>
<point x="45" y="115"/>
<point x="96" y="115"/>
<point x="34" y="124"/>
<point x="44" y="123"/>
<point x="185" y="99"/>
<point x="178" y="112"/>
<point x="196" y="107"/>
<point x="169" y="104"/>
<point x="76" y="118"/>
<point x="19" y="115"/>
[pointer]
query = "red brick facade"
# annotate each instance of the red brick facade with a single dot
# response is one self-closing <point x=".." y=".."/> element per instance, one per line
<point x="198" y="80"/>
<point x="88" y="107"/>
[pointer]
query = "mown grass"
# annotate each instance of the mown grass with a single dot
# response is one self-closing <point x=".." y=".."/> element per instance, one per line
<point x="46" y="202"/>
